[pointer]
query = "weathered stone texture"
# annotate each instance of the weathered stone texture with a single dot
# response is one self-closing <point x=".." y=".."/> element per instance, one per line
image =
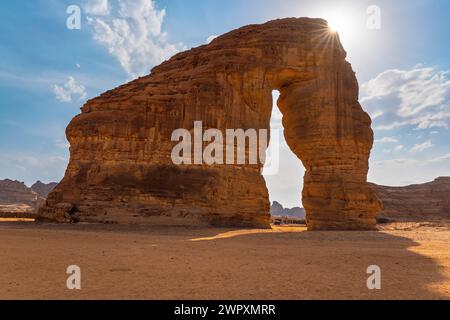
<point x="120" y="169"/>
<point x="43" y="189"/>
<point x="15" y="196"/>
<point x="419" y="201"/>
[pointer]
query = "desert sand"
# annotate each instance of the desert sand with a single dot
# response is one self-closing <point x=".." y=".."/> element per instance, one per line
<point x="124" y="262"/>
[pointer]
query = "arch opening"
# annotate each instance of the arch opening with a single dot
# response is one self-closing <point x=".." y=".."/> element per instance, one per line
<point x="283" y="171"/>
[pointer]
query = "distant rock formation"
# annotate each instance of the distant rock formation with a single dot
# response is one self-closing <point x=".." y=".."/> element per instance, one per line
<point x="121" y="170"/>
<point x="277" y="210"/>
<point x="419" y="201"/>
<point x="43" y="189"/>
<point x="16" y="197"/>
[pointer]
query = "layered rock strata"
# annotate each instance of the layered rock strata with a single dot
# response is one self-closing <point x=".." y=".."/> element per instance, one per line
<point x="43" y="189"/>
<point x="419" y="201"/>
<point x="121" y="170"/>
<point x="15" y="197"/>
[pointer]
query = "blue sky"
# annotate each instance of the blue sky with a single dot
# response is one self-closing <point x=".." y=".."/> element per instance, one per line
<point x="47" y="71"/>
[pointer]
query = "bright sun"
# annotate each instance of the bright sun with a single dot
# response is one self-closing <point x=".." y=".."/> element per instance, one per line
<point x="342" y="19"/>
<point x="341" y="24"/>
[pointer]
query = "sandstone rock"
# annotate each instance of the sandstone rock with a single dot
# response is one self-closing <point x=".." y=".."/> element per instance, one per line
<point x="43" y="189"/>
<point x="120" y="168"/>
<point x="16" y="197"/>
<point x="419" y="201"/>
<point x="62" y="213"/>
<point x="278" y="210"/>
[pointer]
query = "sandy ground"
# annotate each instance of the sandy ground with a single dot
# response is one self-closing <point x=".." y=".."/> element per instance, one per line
<point x="122" y="262"/>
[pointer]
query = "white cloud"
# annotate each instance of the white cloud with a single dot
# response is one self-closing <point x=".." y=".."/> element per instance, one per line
<point x="422" y="147"/>
<point x="97" y="7"/>
<point x="445" y="157"/>
<point x="69" y="90"/>
<point x="377" y="114"/>
<point x="132" y="32"/>
<point x="386" y="140"/>
<point x="399" y="148"/>
<point x="400" y="172"/>
<point x="211" y="38"/>
<point x="419" y="97"/>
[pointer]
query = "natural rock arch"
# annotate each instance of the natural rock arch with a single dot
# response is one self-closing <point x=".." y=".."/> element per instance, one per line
<point x="121" y="171"/>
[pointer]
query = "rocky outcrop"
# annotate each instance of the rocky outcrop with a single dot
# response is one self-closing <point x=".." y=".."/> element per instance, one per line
<point x="121" y="170"/>
<point x="43" y="189"/>
<point x="419" y="201"/>
<point x="15" y="197"/>
<point x="278" y="210"/>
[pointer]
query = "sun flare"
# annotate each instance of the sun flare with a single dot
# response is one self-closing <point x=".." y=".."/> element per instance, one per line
<point x="341" y="23"/>
<point x="344" y="20"/>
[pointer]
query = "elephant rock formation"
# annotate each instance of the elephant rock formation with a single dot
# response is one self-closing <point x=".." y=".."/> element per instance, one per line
<point x="121" y="170"/>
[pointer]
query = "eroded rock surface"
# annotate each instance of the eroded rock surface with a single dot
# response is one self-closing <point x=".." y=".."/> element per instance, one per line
<point x="43" y="189"/>
<point x="419" y="201"/>
<point x="16" y="197"/>
<point x="120" y="169"/>
<point x="277" y="210"/>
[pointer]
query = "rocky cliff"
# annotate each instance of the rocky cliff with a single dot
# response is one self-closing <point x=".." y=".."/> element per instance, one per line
<point x="279" y="211"/>
<point x="121" y="170"/>
<point x="16" y="197"/>
<point x="43" y="189"/>
<point x="419" y="201"/>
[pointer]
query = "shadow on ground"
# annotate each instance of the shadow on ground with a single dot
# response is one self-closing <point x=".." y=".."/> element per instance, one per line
<point x="124" y="262"/>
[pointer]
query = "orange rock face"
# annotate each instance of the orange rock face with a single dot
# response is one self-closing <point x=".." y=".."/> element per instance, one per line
<point x="121" y="169"/>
